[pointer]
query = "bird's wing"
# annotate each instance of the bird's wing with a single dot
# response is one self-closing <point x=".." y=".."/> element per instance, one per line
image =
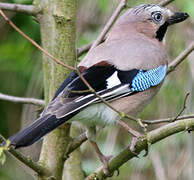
<point x="109" y="82"/>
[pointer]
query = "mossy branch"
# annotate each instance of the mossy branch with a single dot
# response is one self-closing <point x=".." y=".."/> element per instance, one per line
<point x="36" y="167"/>
<point x="151" y="138"/>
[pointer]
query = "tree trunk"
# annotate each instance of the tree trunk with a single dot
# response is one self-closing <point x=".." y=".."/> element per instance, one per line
<point x="73" y="165"/>
<point x="57" y="24"/>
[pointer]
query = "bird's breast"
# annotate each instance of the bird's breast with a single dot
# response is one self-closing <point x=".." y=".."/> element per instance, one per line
<point x="135" y="103"/>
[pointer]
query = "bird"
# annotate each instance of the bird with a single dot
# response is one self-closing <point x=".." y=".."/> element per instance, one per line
<point x="126" y="70"/>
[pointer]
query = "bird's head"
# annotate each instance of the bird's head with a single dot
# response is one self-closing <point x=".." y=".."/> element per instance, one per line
<point x="150" y="19"/>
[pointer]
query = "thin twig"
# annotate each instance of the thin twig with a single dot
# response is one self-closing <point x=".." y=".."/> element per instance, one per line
<point x="168" y="120"/>
<point x="183" y="108"/>
<point x="36" y="167"/>
<point x="28" y="9"/>
<point x="180" y="58"/>
<point x="34" y="43"/>
<point x="165" y="2"/>
<point x="33" y="101"/>
<point x="109" y="24"/>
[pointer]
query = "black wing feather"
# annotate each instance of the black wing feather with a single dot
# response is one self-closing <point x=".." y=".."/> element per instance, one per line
<point x="68" y="80"/>
<point x="96" y="76"/>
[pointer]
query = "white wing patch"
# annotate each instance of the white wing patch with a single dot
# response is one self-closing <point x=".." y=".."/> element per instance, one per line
<point x="113" y="80"/>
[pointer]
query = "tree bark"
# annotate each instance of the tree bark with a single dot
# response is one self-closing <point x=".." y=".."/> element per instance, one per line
<point x="57" y="24"/>
<point x="73" y="165"/>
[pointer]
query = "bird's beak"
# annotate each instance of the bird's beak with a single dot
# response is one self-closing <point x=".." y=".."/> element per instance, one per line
<point x="177" y="17"/>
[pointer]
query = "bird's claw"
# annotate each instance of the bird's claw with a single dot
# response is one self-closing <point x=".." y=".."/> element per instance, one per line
<point x="106" y="169"/>
<point x="134" y="142"/>
<point x="132" y="146"/>
<point x="105" y="162"/>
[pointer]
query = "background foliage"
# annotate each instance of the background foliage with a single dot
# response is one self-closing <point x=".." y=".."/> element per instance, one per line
<point x="21" y="75"/>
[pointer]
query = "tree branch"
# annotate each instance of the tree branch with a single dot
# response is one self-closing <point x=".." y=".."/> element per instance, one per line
<point x="171" y="119"/>
<point x="168" y="120"/>
<point x="33" y="101"/>
<point x="151" y="138"/>
<point x="180" y="58"/>
<point x="76" y="143"/>
<point x="28" y="9"/>
<point x="183" y="108"/>
<point x="83" y="49"/>
<point x="36" y="167"/>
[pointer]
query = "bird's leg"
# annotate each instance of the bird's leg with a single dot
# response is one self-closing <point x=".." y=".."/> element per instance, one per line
<point x="136" y="135"/>
<point x="103" y="159"/>
<point x="133" y="132"/>
<point x="91" y="135"/>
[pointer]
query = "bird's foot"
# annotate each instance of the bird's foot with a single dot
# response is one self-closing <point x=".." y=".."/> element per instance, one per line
<point x="105" y="166"/>
<point x="105" y="160"/>
<point x="136" y="136"/>
<point x="133" y="143"/>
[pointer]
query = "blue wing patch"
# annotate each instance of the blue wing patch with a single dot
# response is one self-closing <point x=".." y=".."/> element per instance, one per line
<point x="145" y="79"/>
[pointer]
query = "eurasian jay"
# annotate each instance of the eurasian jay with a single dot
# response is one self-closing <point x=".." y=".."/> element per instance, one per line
<point x="126" y="70"/>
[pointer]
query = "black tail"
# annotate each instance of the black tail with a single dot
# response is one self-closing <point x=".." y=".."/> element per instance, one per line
<point x="36" y="130"/>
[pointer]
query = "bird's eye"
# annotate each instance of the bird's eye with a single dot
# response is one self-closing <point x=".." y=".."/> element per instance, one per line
<point x="157" y="16"/>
